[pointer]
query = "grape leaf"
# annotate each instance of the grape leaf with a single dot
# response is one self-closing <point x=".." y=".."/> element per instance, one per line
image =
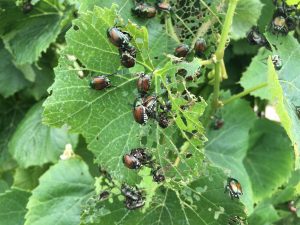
<point x="11" y="78"/>
<point x="246" y="156"/>
<point x="246" y="15"/>
<point x="104" y="117"/>
<point x="227" y="147"/>
<point x="13" y="206"/>
<point x="269" y="161"/>
<point x="57" y="201"/>
<point x="37" y="29"/>
<point x="264" y="213"/>
<point x="11" y="112"/>
<point x="34" y="144"/>
<point x="256" y="75"/>
<point x="124" y="7"/>
<point x="27" y="179"/>
<point x="201" y="202"/>
<point x="285" y="87"/>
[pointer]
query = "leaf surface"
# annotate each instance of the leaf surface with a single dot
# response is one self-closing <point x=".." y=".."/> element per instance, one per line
<point x="34" y="144"/>
<point x="58" y="198"/>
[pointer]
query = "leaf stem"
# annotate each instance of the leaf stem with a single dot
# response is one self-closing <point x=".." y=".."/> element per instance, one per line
<point x="145" y="65"/>
<point x="226" y="28"/>
<point x="220" y="52"/>
<point x="183" y="149"/>
<point x="244" y="93"/>
<point x="170" y="28"/>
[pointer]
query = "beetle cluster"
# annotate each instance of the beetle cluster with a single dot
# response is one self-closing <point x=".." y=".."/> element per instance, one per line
<point x="145" y="105"/>
<point x="182" y="50"/>
<point x="144" y="10"/>
<point x="285" y="18"/>
<point x="121" y="39"/>
<point x="234" y="187"/>
<point x="137" y="158"/>
<point x="133" y="197"/>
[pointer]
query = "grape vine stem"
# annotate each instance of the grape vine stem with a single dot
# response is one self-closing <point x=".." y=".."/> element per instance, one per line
<point x="244" y="93"/>
<point x="220" y="52"/>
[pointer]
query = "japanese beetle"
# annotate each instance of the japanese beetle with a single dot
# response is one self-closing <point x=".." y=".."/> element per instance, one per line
<point x="234" y="188"/>
<point x="163" y="120"/>
<point x="297" y="108"/>
<point x="103" y="195"/>
<point x="157" y="176"/>
<point x="117" y="37"/>
<point x="143" y="10"/>
<point x="27" y="7"/>
<point x="150" y="103"/>
<point x="127" y="55"/>
<point x="218" y="123"/>
<point x="200" y="47"/>
<point x="100" y="82"/>
<point x="133" y="197"/>
<point x="163" y="6"/>
<point x="127" y="60"/>
<point x="130" y="192"/>
<point x="279" y="25"/>
<point x="134" y="204"/>
<point x="143" y="82"/>
<point x="141" y="155"/>
<point x="254" y="37"/>
<point x="277" y="62"/>
<point x="140" y="112"/>
<point x="182" y="50"/>
<point x="131" y="162"/>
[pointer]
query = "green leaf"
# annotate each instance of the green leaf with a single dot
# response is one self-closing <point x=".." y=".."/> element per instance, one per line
<point x="58" y="198"/>
<point x="285" y="87"/>
<point x="227" y="147"/>
<point x="201" y="202"/>
<point x="263" y="214"/>
<point x="11" y="78"/>
<point x="246" y="15"/>
<point x="159" y="44"/>
<point x="291" y="190"/>
<point x="105" y="117"/>
<point x="292" y="2"/>
<point x="13" y="206"/>
<point x="269" y="161"/>
<point x="256" y="75"/>
<point x="27" y="179"/>
<point x="3" y="186"/>
<point x="37" y="29"/>
<point x="266" y="15"/>
<point x="124" y="7"/>
<point x="34" y="144"/>
<point x="11" y="112"/>
<point x="247" y="155"/>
